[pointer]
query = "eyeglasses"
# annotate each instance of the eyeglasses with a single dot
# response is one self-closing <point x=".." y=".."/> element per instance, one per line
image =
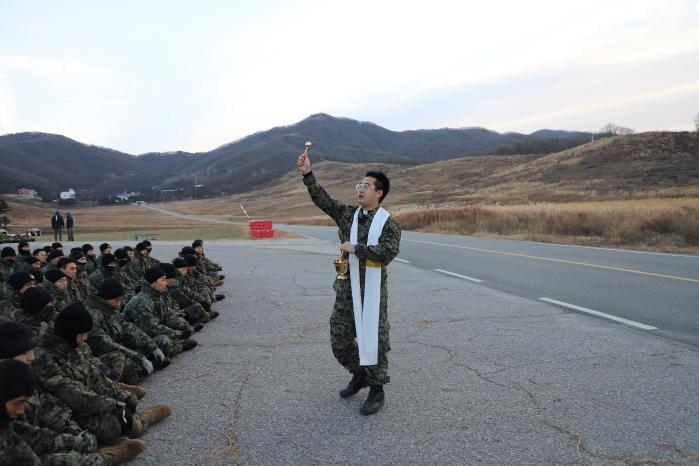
<point x="363" y="187"/>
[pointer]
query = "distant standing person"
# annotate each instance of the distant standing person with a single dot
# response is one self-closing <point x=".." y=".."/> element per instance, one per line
<point x="57" y="224"/>
<point x="359" y="325"/>
<point x="69" y="226"/>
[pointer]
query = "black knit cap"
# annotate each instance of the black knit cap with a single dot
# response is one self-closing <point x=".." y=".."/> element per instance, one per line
<point x="152" y="274"/>
<point x="147" y="243"/>
<point x="104" y="246"/>
<point x="31" y="260"/>
<point x="16" y="379"/>
<point x="7" y="251"/>
<point x="15" y="339"/>
<point x="110" y="288"/>
<point x="191" y="260"/>
<point x="179" y="263"/>
<point x="107" y="259"/>
<point x="77" y="254"/>
<point x="72" y="321"/>
<point x="87" y="247"/>
<point x="38" y="274"/>
<point x="121" y="254"/>
<point x="54" y="254"/>
<point x="34" y="300"/>
<point x="127" y="248"/>
<point x="18" y="279"/>
<point x="169" y="269"/>
<point x="141" y="246"/>
<point x="47" y="249"/>
<point x="54" y="275"/>
<point x="197" y="242"/>
<point x="63" y="262"/>
<point x="56" y="246"/>
<point x="187" y="251"/>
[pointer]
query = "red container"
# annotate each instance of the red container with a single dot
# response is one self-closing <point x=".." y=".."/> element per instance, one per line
<point x="255" y="234"/>
<point x="260" y="225"/>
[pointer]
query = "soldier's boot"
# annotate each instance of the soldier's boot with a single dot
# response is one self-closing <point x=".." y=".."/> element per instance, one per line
<point x="357" y="383"/>
<point x="138" y="392"/>
<point x="374" y="401"/>
<point x="198" y="326"/>
<point x="142" y="420"/>
<point x="221" y="277"/>
<point x="218" y="282"/>
<point x="219" y="297"/>
<point x="213" y="315"/>
<point x="189" y="344"/>
<point x="158" y="364"/>
<point x="123" y="451"/>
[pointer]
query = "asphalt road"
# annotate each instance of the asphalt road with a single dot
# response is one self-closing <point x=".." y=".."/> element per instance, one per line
<point x="650" y="289"/>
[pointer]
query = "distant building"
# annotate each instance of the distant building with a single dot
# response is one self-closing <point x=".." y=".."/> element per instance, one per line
<point x="24" y="194"/>
<point x="68" y="195"/>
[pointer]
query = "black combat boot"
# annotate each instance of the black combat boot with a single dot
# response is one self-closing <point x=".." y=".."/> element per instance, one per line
<point x="188" y="344"/>
<point x="357" y="383"/>
<point x="198" y="326"/>
<point x="213" y="315"/>
<point x="220" y="297"/>
<point x="221" y="277"/>
<point x="374" y="401"/>
<point x="158" y="364"/>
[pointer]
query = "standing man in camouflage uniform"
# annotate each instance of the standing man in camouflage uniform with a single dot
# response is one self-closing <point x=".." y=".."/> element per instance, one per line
<point x="353" y="221"/>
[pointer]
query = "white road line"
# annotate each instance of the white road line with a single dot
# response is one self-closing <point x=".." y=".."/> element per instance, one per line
<point x="402" y="260"/>
<point x="600" y="314"/>
<point x="475" y="280"/>
<point x="306" y="236"/>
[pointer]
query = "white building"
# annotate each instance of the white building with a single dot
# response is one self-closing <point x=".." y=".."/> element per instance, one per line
<point x="66" y="195"/>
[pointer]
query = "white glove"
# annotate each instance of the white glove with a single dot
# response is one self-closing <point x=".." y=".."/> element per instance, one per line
<point x="158" y="354"/>
<point x="147" y="365"/>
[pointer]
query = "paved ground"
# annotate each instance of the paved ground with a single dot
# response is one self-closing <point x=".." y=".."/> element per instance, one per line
<point x="478" y="377"/>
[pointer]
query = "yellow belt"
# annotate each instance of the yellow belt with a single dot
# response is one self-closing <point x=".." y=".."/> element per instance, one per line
<point x="371" y="263"/>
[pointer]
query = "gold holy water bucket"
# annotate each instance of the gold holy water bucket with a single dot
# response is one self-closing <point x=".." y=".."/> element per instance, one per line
<point x="341" y="267"/>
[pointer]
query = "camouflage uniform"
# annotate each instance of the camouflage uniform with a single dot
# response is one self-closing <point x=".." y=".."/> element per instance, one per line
<point x="84" y="286"/>
<point x="200" y="284"/>
<point x="60" y="297"/>
<point x="342" y="330"/>
<point x="193" y="311"/>
<point x="91" y="264"/>
<point x="99" y="275"/>
<point x="141" y="263"/>
<point x="146" y="311"/>
<point x="10" y="305"/>
<point x="70" y="376"/>
<point x="211" y="268"/>
<point x="6" y="269"/>
<point x="45" y="410"/>
<point x="111" y="333"/>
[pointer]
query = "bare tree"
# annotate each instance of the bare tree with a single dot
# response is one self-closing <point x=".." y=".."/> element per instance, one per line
<point x="616" y="130"/>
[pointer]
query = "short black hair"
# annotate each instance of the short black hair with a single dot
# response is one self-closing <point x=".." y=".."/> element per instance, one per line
<point x="381" y="183"/>
<point x="63" y="262"/>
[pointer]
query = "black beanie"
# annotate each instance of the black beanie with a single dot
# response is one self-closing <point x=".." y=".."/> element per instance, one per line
<point x="31" y="260"/>
<point x="38" y="274"/>
<point x="141" y="246"/>
<point x="191" y="260"/>
<point x="179" y="263"/>
<point x="15" y="339"/>
<point x="87" y="247"/>
<point x="18" y="279"/>
<point x="147" y="243"/>
<point x="188" y="251"/>
<point x="110" y="288"/>
<point x="121" y="255"/>
<point x="107" y="259"/>
<point x="71" y="321"/>
<point x="54" y="275"/>
<point x="54" y="254"/>
<point x="7" y="251"/>
<point x="127" y="248"/>
<point x="75" y="255"/>
<point x="197" y="242"/>
<point x="152" y="274"/>
<point x="56" y="246"/>
<point x="169" y="270"/>
<point x="104" y="246"/>
<point x="16" y="379"/>
<point x="34" y="300"/>
<point x="47" y="249"/>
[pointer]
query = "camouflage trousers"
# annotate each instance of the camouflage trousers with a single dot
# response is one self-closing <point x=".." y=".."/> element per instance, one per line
<point x="106" y="427"/>
<point x="344" y="344"/>
<point x="130" y="371"/>
<point x="169" y="346"/>
<point x="45" y="410"/>
<point x="73" y="458"/>
<point x="196" y="313"/>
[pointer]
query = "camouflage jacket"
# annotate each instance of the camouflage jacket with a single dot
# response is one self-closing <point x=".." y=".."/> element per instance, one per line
<point x="84" y="286"/>
<point x="37" y="322"/>
<point x="60" y="297"/>
<point x="6" y="269"/>
<point x="148" y="312"/>
<point x="14" y="451"/>
<point x="111" y="332"/>
<point x="45" y="410"/>
<point x="70" y="375"/>
<point x="41" y="440"/>
<point x="212" y="268"/>
<point x="178" y="293"/>
<point x="91" y="265"/>
<point x="99" y="275"/>
<point x="384" y="252"/>
<point x="200" y="284"/>
<point x="10" y="306"/>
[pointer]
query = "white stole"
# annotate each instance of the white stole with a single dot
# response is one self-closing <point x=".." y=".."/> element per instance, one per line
<point x="366" y="317"/>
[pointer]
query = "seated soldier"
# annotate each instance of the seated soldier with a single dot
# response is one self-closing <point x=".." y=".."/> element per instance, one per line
<point x="197" y="281"/>
<point x="23" y="249"/>
<point x="98" y="404"/>
<point x="111" y="333"/>
<point x="148" y="311"/>
<point x="92" y="263"/>
<point x="51" y="260"/>
<point x="56" y="284"/>
<point x="105" y="248"/>
<point x="32" y="262"/>
<point x="41" y="255"/>
<point x="142" y="259"/>
<point x="57" y="246"/>
<point x="70" y="270"/>
<point x="195" y="307"/>
<point x="7" y="262"/>
<point x="81" y="277"/>
<point x="207" y="266"/>
<point x="37" y="310"/>
<point x="16" y="285"/>
<point x="110" y="267"/>
<point x="193" y="312"/>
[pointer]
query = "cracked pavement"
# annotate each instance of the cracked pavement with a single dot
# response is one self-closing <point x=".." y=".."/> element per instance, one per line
<point x="478" y="377"/>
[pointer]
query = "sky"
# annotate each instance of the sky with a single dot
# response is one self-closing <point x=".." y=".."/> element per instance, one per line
<point x="181" y="75"/>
